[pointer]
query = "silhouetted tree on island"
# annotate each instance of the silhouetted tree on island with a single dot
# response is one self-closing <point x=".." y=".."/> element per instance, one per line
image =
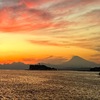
<point x="40" y="67"/>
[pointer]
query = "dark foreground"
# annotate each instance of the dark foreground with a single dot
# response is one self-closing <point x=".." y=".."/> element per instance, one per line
<point x="49" y="85"/>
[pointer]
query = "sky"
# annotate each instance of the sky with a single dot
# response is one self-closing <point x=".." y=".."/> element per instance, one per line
<point x="51" y="31"/>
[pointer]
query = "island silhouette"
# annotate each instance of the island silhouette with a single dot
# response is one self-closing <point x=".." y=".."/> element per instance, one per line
<point x="95" y="69"/>
<point x="40" y="67"/>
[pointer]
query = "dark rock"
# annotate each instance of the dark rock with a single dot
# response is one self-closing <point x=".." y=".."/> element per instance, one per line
<point x="95" y="69"/>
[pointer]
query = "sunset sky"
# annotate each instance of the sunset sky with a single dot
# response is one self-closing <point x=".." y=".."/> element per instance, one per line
<point x="51" y="31"/>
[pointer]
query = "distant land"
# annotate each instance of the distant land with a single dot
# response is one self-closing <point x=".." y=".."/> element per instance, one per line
<point x="95" y="69"/>
<point x="76" y="63"/>
<point x="15" y="66"/>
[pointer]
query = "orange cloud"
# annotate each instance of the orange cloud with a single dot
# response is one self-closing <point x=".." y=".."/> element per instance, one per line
<point x="30" y="19"/>
<point x="88" y="42"/>
<point x="34" y="3"/>
<point x="45" y="42"/>
<point x="95" y="57"/>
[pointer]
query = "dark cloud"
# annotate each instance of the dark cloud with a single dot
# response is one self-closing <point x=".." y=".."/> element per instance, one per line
<point x="53" y="60"/>
<point x="40" y="13"/>
<point x="9" y="3"/>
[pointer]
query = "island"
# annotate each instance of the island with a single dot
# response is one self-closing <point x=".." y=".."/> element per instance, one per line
<point x="40" y="67"/>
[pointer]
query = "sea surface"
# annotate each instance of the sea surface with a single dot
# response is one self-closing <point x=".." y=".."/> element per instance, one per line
<point x="49" y="85"/>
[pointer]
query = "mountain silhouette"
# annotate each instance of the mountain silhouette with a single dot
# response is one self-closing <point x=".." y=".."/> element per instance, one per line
<point x="76" y="63"/>
<point x="15" y="66"/>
